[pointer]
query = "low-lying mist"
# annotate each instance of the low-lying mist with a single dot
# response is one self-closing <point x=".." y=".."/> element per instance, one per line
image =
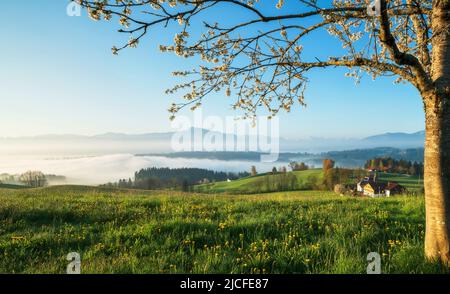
<point x="110" y="168"/>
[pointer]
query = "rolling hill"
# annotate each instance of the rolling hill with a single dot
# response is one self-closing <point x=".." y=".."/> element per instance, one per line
<point x="249" y="185"/>
<point x="256" y="184"/>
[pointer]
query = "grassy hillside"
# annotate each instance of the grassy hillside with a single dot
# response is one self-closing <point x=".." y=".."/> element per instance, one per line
<point x="120" y="231"/>
<point x="410" y="182"/>
<point x="255" y="184"/>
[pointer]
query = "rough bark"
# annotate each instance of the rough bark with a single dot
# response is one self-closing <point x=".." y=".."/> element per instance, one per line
<point x="437" y="144"/>
<point x="437" y="180"/>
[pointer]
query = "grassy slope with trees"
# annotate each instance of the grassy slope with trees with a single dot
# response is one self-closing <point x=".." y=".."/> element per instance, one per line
<point x="129" y="231"/>
<point x="251" y="184"/>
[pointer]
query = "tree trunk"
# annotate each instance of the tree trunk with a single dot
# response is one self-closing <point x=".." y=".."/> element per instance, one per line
<point x="437" y="182"/>
<point x="437" y="144"/>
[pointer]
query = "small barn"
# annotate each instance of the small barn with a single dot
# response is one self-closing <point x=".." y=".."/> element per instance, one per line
<point x="394" y="188"/>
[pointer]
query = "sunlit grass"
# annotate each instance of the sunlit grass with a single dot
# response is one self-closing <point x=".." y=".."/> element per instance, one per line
<point x="253" y="184"/>
<point x="173" y="232"/>
<point x="408" y="181"/>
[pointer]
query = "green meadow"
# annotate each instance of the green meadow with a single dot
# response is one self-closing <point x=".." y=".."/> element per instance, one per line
<point x="249" y="185"/>
<point x="129" y="231"/>
<point x="255" y="184"/>
<point x="412" y="183"/>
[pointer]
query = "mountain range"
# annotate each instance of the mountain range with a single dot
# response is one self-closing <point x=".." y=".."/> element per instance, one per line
<point x="161" y="142"/>
<point x="402" y="140"/>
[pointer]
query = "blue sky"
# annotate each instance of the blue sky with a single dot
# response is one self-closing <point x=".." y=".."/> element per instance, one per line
<point x="58" y="76"/>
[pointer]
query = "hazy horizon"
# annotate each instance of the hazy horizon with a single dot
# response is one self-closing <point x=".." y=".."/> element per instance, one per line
<point x="170" y="130"/>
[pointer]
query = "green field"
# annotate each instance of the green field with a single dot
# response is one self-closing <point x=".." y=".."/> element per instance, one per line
<point x="255" y="184"/>
<point x="124" y="231"/>
<point x="250" y="185"/>
<point x="410" y="182"/>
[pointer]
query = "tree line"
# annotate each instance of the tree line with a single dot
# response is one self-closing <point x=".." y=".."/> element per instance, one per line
<point x="34" y="179"/>
<point x="175" y="178"/>
<point x="388" y="164"/>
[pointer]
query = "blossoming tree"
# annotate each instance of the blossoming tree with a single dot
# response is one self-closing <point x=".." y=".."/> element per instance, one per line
<point x="260" y="60"/>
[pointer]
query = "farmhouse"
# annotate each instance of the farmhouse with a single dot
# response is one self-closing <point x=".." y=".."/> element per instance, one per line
<point x="369" y="186"/>
<point x="378" y="189"/>
<point x="360" y="185"/>
<point x="374" y="189"/>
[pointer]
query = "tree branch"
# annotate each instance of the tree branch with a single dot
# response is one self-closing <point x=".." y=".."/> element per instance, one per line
<point x="424" y="82"/>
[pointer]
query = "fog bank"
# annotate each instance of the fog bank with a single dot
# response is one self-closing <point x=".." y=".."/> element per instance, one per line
<point x="110" y="168"/>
